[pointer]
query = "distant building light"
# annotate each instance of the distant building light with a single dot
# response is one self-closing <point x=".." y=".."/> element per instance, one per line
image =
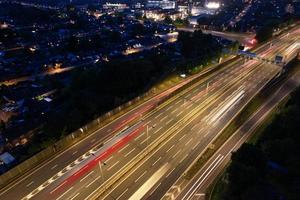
<point x="213" y="5"/>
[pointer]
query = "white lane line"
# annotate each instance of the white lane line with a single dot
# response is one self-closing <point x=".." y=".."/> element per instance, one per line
<point x="157" y="116"/>
<point x="58" y="187"/>
<point x="29" y="184"/>
<point x="139" y="136"/>
<point x="194" y="126"/>
<point x="176" y="154"/>
<point x="178" y="102"/>
<point x="202" y="178"/>
<point x="129" y="152"/>
<point x="169" y="108"/>
<point x="163" y="118"/>
<point x="194" y="146"/>
<point x="168" y="122"/>
<point x="158" y="130"/>
<point x="108" y="130"/>
<point x="123" y="148"/>
<point x="121" y="194"/>
<point x="75" y="196"/>
<point x="64" y="193"/>
<point x="88" y="185"/>
<point x="93" y="140"/>
<point x="54" y="167"/>
<point x="144" y="140"/>
<point x="170" y="147"/>
<point x="136" y="180"/>
<point x="74" y="152"/>
<point x="109" y="159"/>
<point x="206" y="133"/>
<point x="182" y="137"/>
<point x="155" y="188"/>
<point x="179" y="113"/>
<point x="86" y="176"/>
<point x="170" y="172"/>
<point x="188" y="107"/>
<point x="156" y="161"/>
<point x="188" y="142"/>
<point x="113" y="165"/>
<point x="174" y="111"/>
<point x="183" y="158"/>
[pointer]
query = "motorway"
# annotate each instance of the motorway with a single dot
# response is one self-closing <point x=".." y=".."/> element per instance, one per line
<point x="161" y="144"/>
<point x="197" y="187"/>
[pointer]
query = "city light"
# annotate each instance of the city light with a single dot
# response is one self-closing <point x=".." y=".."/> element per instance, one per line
<point x="213" y="5"/>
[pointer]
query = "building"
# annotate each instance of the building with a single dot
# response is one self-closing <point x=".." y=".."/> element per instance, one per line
<point x="115" y="6"/>
<point x="163" y="4"/>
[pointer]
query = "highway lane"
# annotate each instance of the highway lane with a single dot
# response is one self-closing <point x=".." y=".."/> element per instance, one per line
<point x="258" y="79"/>
<point x="183" y="141"/>
<point x="56" y="165"/>
<point x="53" y="166"/>
<point x="163" y="118"/>
<point x="64" y="162"/>
<point x="197" y="187"/>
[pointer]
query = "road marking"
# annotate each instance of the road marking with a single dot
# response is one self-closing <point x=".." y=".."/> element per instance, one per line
<point x="179" y="113"/>
<point x="75" y="196"/>
<point x="136" y="180"/>
<point x="123" y="148"/>
<point x="144" y="140"/>
<point x="93" y="140"/>
<point x="176" y="154"/>
<point x="195" y="125"/>
<point x="122" y="194"/>
<point x="188" y="107"/>
<point x="74" y="152"/>
<point x="156" y="161"/>
<point x="54" y="167"/>
<point x="65" y="193"/>
<point x="129" y="152"/>
<point x="183" y="158"/>
<point x="155" y="188"/>
<point x="170" y="172"/>
<point x="86" y="176"/>
<point x="170" y="147"/>
<point x="108" y="130"/>
<point x="188" y="142"/>
<point x="157" y="116"/>
<point x="203" y="177"/>
<point x="182" y="137"/>
<point x="29" y="184"/>
<point x="109" y="159"/>
<point x="206" y="133"/>
<point x="174" y="111"/>
<point x="171" y="106"/>
<point x="139" y="136"/>
<point x="194" y="146"/>
<point x="158" y="130"/>
<point x="178" y="102"/>
<point x="144" y="189"/>
<point x="163" y="118"/>
<point x="113" y="165"/>
<point x="88" y="185"/>
<point x="168" y="122"/>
